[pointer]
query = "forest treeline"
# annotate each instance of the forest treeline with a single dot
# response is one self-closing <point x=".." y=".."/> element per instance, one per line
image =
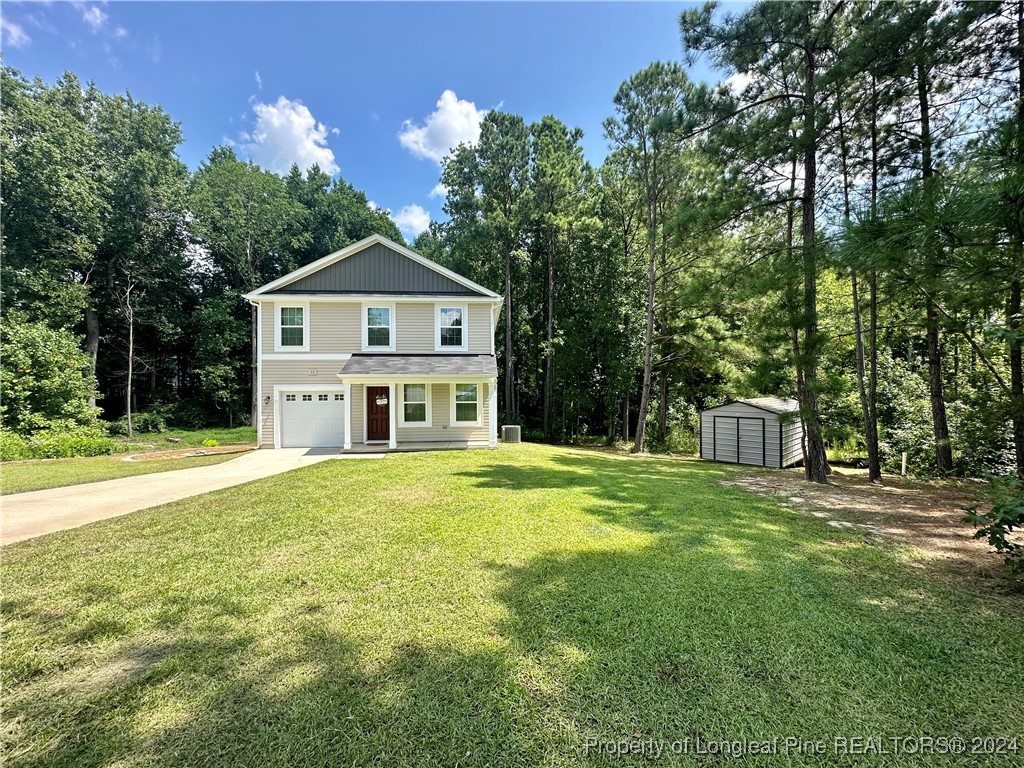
<point x="840" y="220"/>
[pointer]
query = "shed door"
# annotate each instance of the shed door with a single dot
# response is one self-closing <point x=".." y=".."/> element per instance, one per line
<point x="739" y="439"/>
<point x="751" y="440"/>
<point x="312" y="420"/>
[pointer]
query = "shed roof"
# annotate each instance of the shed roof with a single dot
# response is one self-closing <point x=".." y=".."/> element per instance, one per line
<point x="773" y="404"/>
<point x="770" y="404"/>
<point x="424" y="364"/>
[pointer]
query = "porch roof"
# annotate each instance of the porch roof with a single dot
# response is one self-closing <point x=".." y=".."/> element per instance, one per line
<point x="434" y="365"/>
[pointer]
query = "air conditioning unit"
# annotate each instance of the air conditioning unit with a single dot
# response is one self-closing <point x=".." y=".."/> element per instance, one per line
<point x="511" y="433"/>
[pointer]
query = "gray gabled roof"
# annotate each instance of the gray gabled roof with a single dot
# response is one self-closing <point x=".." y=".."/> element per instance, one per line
<point x="773" y="404"/>
<point x="420" y="365"/>
<point x="374" y="265"/>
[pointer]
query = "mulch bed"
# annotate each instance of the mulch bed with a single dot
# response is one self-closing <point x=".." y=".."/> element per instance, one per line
<point x="181" y="453"/>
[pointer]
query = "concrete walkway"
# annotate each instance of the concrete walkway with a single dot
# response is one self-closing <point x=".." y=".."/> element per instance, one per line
<point x="27" y="515"/>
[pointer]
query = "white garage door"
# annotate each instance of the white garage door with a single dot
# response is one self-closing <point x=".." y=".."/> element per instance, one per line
<point x="312" y="419"/>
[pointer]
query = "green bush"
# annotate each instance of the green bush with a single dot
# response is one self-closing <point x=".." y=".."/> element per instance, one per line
<point x="13" y="447"/>
<point x="59" y="442"/>
<point x="998" y="524"/>
<point x="143" y="422"/>
<point x="43" y="380"/>
<point x="210" y="443"/>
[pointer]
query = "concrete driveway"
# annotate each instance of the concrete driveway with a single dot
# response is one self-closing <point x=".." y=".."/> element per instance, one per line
<point x="27" y="515"/>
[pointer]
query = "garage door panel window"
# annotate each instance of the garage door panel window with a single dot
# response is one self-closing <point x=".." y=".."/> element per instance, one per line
<point x="466" y="404"/>
<point x="415" y="405"/>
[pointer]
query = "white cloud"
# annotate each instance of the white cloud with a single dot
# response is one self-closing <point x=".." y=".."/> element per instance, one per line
<point x="738" y="82"/>
<point x="455" y="121"/>
<point x="259" y="80"/>
<point x="120" y="32"/>
<point x="13" y="34"/>
<point x="93" y="16"/>
<point x="372" y="205"/>
<point x="412" y="219"/>
<point x="286" y="132"/>
<point x="439" y="190"/>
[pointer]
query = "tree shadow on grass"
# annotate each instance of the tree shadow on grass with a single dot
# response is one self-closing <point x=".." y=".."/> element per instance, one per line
<point x="724" y="618"/>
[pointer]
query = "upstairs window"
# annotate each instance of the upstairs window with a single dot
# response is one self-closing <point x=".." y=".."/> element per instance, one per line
<point x="292" y="329"/>
<point x="451" y="329"/>
<point x="378" y="328"/>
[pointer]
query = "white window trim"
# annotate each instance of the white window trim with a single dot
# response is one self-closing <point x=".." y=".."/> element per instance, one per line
<point x="394" y="330"/>
<point x="401" y="405"/>
<point x="304" y="306"/>
<point x="437" y="326"/>
<point x="479" y="402"/>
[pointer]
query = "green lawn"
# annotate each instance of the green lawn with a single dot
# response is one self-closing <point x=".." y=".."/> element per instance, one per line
<point x="486" y="608"/>
<point x="194" y="438"/>
<point x="17" y="477"/>
<point x="23" y="476"/>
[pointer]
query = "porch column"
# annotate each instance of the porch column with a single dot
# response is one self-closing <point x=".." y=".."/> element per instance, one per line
<point x="348" y="416"/>
<point x="492" y="412"/>
<point x="392" y="420"/>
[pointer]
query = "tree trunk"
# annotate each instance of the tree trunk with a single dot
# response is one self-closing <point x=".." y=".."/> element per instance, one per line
<point x="92" y="343"/>
<point x="131" y="359"/>
<point x="943" y="450"/>
<point x="1013" y="322"/>
<point x="870" y="425"/>
<point x="549" y="358"/>
<point x="625" y="418"/>
<point x="1013" y="309"/>
<point x="815" y="464"/>
<point x="940" y="427"/>
<point x="509" y="406"/>
<point x="645" y="389"/>
<point x="874" y="455"/>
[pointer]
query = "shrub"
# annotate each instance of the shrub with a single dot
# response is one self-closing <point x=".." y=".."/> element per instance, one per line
<point x="143" y="422"/>
<point x="43" y="380"/>
<point x="998" y="524"/>
<point x="13" y="447"/>
<point x="59" y="442"/>
<point x="210" y="443"/>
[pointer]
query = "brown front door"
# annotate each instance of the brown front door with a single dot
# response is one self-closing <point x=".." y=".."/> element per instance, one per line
<point x="378" y="425"/>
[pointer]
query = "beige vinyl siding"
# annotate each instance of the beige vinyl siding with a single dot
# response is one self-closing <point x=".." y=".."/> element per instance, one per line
<point x="441" y="418"/>
<point x="415" y="327"/>
<point x="480" y="329"/>
<point x="285" y="373"/>
<point x="336" y="327"/>
<point x="333" y="328"/>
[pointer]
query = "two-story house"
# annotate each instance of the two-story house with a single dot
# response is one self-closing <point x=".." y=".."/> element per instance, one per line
<point x="375" y="345"/>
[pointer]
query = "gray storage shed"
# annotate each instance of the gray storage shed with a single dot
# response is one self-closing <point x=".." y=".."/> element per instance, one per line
<point x="762" y="431"/>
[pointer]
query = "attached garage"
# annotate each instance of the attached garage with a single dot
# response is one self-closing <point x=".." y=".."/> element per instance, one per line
<point x="761" y="432"/>
<point x="311" y="418"/>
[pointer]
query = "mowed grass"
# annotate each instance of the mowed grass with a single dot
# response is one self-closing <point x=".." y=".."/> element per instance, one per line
<point x="21" y="476"/>
<point x="18" y="477"/>
<point x="194" y="438"/>
<point x="486" y="608"/>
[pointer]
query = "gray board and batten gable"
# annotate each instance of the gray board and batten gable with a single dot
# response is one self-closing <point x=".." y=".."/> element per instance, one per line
<point x="377" y="270"/>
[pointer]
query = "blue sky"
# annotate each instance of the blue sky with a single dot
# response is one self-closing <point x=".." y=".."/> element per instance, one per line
<point x="375" y="91"/>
